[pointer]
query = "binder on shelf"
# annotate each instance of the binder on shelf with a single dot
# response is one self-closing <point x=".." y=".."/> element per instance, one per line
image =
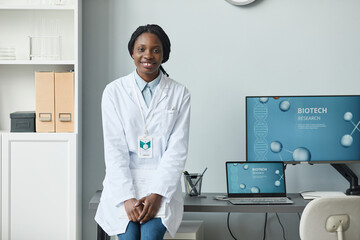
<point x="64" y="101"/>
<point x="45" y="106"/>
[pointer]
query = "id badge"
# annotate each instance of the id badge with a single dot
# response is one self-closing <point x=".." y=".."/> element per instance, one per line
<point x="145" y="148"/>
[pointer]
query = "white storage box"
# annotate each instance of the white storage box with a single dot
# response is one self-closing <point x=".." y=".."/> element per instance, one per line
<point x="188" y="230"/>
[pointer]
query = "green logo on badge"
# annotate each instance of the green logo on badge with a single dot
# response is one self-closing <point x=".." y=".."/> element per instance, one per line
<point x="144" y="145"/>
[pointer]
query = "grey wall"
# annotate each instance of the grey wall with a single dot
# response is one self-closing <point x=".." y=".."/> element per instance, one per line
<point x="222" y="53"/>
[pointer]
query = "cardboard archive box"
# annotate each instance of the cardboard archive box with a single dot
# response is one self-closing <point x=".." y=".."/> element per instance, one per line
<point x="45" y="105"/>
<point x="64" y="101"/>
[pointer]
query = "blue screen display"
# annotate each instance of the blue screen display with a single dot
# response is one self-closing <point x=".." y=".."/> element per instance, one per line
<point x="255" y="178"/>
<point x="303" y="128"/>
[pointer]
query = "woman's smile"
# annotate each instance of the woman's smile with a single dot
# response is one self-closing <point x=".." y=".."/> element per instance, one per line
<point x="147" y="64"/>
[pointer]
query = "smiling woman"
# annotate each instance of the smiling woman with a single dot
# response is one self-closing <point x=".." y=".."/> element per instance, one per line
<point x="148" y="56"/>
<point x="150" y="39"/>
<point x="146" y="128"/>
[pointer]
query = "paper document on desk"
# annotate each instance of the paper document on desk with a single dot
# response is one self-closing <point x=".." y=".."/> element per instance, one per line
<point x="141" y="181"/>
<point x="308" y="195"/>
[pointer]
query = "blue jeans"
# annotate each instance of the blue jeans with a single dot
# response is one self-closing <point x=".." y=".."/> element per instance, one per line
<point x="151" y="230"/>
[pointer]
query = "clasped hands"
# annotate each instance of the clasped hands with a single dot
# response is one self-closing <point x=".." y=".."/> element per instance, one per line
<point x="144" y="209"/>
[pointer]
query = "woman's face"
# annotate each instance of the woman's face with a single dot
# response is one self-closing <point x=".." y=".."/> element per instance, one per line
<point x="147" y="55"/>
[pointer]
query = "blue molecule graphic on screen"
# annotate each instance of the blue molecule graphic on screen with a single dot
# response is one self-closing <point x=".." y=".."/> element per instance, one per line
<point x="255" y="190"/>
<point x="277" y="183"/>
<point x="242" y="186"/>
<point x="261" y="129"/>
<point x="302" y="154"/>
<point x="260" y="113"/>
<point x="246" y="167"/>
<point x="299" y="154"/>
<point x="347" y="140"/>
<point x="276" y="146"/>
<point x="284" y="105"/>
<point x="260" y="148"/>
<point x="263" y="99"/>
<point x="348" y="116"/>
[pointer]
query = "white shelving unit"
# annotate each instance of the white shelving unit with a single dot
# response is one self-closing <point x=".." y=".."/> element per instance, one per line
<point x="36" y="7"/>
<point x="40" y="173"/>
<point x="37" y="62"/>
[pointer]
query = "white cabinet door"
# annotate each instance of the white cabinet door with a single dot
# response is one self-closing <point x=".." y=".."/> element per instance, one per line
<point x="39" y="186"/>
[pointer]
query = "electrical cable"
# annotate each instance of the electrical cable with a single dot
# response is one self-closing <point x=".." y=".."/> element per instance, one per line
<point x="265" y="226"/>
<point x="299" y="216"/>
<point x="228" y="226"/>
<point x="282" y="227"/>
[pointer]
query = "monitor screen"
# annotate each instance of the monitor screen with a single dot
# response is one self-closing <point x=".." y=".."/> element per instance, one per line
<point x="293" y="129"/>
<point x="255" y="178"/>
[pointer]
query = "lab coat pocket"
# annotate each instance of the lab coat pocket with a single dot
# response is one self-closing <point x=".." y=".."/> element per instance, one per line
<point x="169" y="119"/>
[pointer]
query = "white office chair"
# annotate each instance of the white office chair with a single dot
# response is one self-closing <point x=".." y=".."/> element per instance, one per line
<point x="331" y="218"/>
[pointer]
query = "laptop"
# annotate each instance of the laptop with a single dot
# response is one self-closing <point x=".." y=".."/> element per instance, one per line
<point x="256" y="182"/>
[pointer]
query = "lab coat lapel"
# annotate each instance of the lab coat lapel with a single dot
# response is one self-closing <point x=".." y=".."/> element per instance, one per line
<point x="164" y="94"/>
<point x="132" y="94"/>
<point x="164" y="81"/>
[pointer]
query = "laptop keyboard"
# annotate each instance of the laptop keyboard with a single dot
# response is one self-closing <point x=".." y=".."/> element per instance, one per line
<point x="263" y="199"/>
<point x="259" y="200"/>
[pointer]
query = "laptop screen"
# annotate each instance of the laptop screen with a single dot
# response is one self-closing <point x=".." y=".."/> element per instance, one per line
<point x="255" y="179"/>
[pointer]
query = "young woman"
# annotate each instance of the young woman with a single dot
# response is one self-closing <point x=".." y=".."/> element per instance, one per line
<point x="146" y="128"/>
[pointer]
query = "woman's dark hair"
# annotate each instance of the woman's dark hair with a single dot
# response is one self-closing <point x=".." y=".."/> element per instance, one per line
<point x="159" y="32"/>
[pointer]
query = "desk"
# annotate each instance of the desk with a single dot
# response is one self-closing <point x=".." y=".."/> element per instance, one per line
<point x="209" y="204"/>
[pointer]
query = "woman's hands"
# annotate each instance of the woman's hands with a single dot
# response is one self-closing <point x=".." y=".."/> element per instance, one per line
<point x="143" y="210"/>
<point x="149" y="206"/>
<point x="132" y="212"/>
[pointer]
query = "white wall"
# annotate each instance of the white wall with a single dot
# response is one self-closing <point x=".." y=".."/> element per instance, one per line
<point x="222" y="53"/>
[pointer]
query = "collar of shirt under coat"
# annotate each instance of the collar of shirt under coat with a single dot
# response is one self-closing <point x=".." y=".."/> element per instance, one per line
<point x="141" y="83"/>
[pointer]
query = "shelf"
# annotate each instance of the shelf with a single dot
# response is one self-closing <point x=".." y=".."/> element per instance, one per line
<point x="36" y="7"/>
<point x="37" y="62"/>
<point x="36" y="135"/>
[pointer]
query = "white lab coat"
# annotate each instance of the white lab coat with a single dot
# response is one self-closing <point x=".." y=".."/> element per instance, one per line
<point x="122" y="125"/>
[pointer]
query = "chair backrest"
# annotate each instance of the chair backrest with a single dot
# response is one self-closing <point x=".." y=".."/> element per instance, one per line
<point x="316" y="214"/>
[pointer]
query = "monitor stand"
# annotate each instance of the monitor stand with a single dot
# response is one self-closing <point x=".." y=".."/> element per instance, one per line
<point x="349" y="175"/>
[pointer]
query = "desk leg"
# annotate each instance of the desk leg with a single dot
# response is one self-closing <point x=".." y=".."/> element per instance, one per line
<point x="101" y="235"/>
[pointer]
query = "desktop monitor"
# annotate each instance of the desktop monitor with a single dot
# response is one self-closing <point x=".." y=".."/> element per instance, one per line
<point x="294" y="129"/>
